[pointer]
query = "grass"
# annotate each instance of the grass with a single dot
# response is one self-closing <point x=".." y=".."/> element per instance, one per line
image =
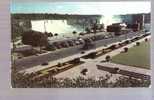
<point x="137" y="56"/>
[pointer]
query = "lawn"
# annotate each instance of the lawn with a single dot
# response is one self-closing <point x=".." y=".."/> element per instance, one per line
<point x="137" y="56"/>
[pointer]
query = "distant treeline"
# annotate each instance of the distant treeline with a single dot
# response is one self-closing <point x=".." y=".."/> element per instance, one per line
<point x="33" y="16"/>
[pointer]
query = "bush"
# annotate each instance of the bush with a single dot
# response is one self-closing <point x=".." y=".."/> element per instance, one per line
<point x="146" y="40"/>
<point x="137" y="43"/>
<point x="127" y="41"/>
<point x="125" y="49"/>
<point x="108" y="58"/>
<point x="120" y="44"/>
<point x="59" y="64"/>
<point x="82" y="52"/>
<point x="84" y="71"/>
<point x="20" y="80"/>
<point x="76" y="61"/>
<point x="92" y="55"/>
<point x="114" y="46"/>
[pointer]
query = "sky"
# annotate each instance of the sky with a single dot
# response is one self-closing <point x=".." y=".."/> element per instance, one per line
<point x="101" y="8"/>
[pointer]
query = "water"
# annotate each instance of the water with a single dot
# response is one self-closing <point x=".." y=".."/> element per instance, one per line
<point x="55" y="26"/>
<point x="64" y="29"/>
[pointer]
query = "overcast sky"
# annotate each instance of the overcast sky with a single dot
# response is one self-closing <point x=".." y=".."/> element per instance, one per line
<point x="103" y="8"/>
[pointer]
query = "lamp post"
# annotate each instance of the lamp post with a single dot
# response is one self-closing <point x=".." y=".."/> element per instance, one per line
<point x="45" y="26"/>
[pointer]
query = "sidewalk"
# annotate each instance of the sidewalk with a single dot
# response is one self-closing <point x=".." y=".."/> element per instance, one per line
<point x="126" y="68"/>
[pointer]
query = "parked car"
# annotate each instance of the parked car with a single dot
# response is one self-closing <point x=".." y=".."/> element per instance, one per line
<point x="50" y="47"/>
<point x="70" y="42"/>
<point x="44" y="64"/>
<point x="57" y="45"/>
<point x="64" y="44"/>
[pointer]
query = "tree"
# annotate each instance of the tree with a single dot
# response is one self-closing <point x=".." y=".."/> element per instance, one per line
<point x="56" y="34"/>
<point x="50" y="34"/>
<point x="35" y="39"/>
<point x="74" y="33"/>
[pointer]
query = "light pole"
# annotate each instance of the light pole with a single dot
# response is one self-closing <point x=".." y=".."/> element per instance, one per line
<point x="45" y="26"/>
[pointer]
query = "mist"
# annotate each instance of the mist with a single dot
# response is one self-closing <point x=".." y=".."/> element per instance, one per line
<point x="55" y="26"/>
<point x="110" y="19"/>
<point x="61" y="26"/>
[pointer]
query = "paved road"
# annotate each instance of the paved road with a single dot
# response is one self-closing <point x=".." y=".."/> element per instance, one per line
<point x="31" y="61"/>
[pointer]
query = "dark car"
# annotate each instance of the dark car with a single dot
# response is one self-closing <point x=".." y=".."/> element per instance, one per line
<point x="70" y="43"/>
<point x="44" y="64"/>
<point x="51" y="47"/>
<point x="81" y="41"/>
<point x="64" y="44"/>
<point x="57" y="45"/>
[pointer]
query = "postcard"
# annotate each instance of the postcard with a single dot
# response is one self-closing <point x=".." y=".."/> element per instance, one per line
<point x="80" y="44"/>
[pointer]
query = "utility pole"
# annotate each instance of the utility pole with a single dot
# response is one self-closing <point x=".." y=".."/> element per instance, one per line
<point x="143" y="20"/>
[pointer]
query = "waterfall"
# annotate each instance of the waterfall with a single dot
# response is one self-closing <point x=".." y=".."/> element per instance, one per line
<point x="53" y="26"/>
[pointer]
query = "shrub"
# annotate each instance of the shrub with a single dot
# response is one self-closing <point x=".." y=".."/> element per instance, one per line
<point x="21" y="80"/>
<point x="76" y="60"/>
<point x="108" y="58"/>
<point x="146" y="39"/>
<point x="82" y="52"/>
<point x="84" y="71"/>
<point x="59" y="64"/>
<point x="74" y="32"/>
<point x="137" y="43"/>
<point x="92" y="55"/>
<point x="125" y="49"/>
<point x="113" y="46"/>
<point x="103" y="51"/>
<point x="127" y="41"/>
<point x="119" y="44"/>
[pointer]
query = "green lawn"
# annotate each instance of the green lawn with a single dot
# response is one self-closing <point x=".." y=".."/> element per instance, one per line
<point x="137" y="56"/>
